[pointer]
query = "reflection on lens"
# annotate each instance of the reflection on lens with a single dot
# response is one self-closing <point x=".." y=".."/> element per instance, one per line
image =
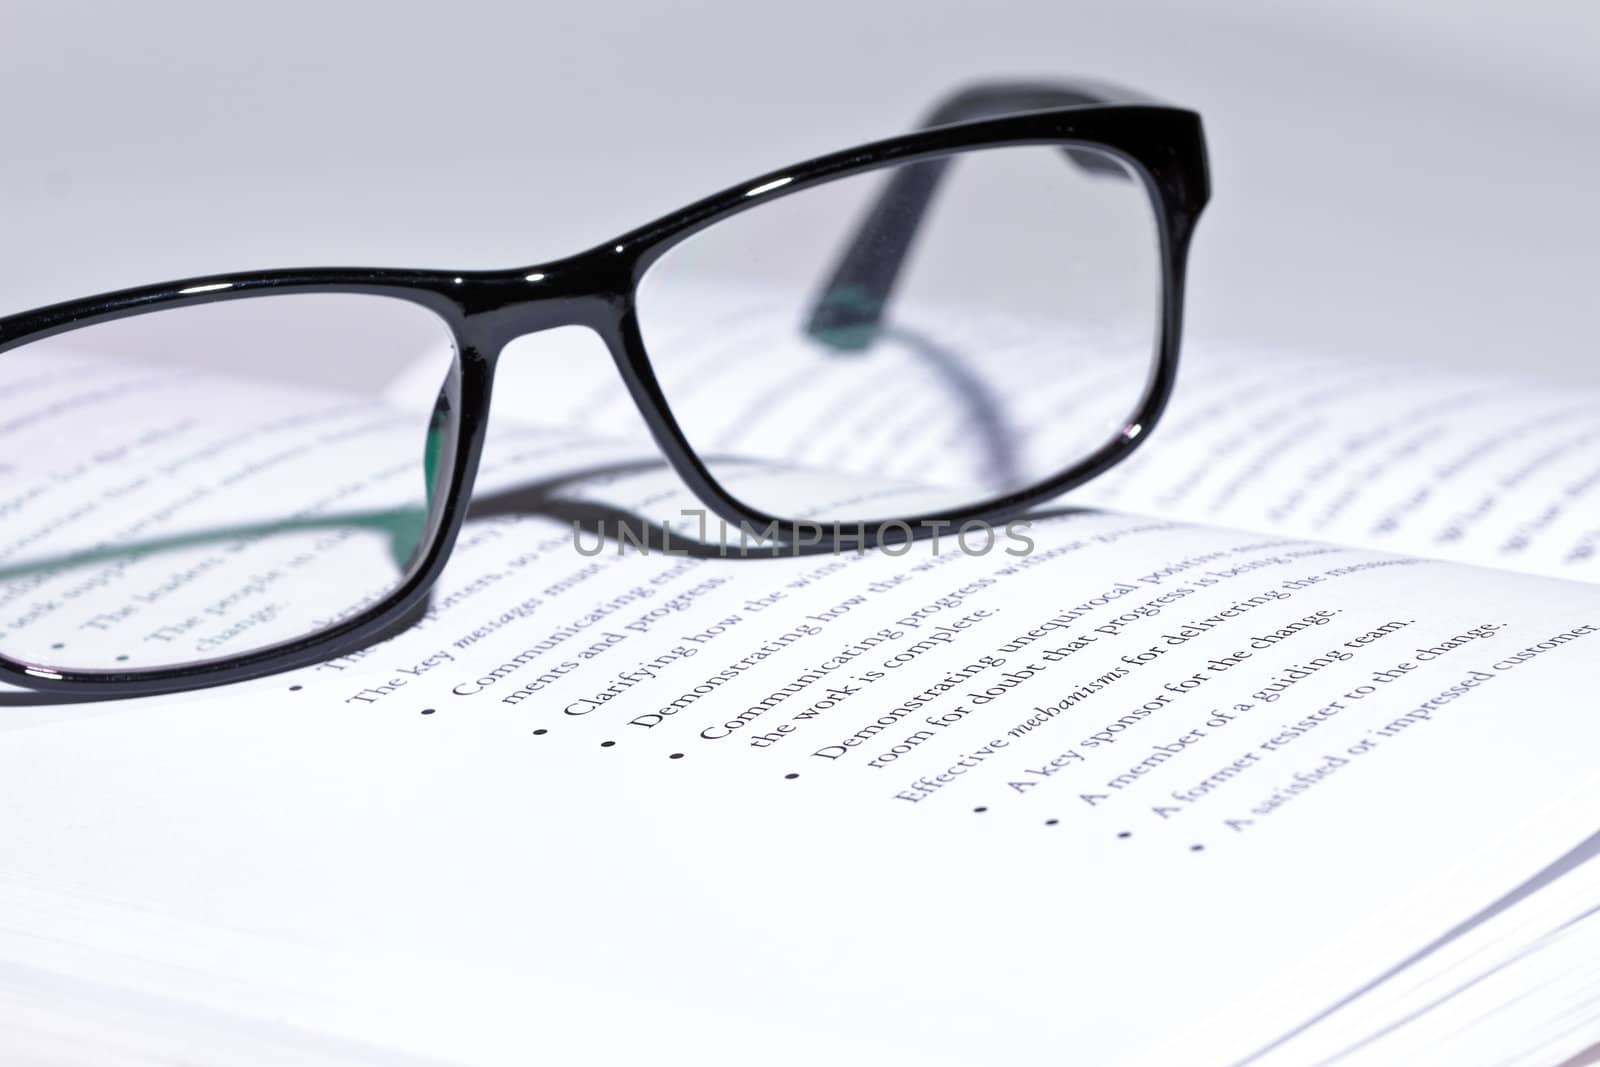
<point x="169" y="495"/>
<point x="863" y="350"/>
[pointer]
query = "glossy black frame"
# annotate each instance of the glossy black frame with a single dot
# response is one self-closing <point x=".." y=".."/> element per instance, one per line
<point x="1162" y="146"/>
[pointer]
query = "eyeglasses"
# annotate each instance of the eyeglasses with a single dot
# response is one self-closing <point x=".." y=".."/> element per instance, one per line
<point x="924" y="332"/>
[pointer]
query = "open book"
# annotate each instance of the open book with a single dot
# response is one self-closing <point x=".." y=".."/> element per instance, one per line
<point x="1202" y="774"/>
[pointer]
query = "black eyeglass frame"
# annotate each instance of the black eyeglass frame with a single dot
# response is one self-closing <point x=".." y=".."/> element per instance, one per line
<point x="1162" y="146"/>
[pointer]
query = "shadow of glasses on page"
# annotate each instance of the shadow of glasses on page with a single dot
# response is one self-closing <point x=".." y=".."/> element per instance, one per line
<point x="613" y="528"/>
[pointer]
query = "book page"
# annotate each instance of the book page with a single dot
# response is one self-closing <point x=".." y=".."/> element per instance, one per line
<point x="602" y="805"/>
<point x="1514" y="988"/>
<point x="613" y="804"/>
<point x="1465" y="467"/>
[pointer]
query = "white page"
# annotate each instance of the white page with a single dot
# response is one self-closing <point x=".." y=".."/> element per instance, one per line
<point x="1420" y="1007"/>
<point x="267" y="867"/>
<point x="1473" y="468"/>
<point x="1541" y="1006"/>
<point x="334" y="862"/>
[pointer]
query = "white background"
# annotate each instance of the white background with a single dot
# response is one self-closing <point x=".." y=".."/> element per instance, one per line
<point x="1416" y="181"/>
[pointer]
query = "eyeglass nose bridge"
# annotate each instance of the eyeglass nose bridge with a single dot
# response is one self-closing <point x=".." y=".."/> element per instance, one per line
<point x="592" y="289"/>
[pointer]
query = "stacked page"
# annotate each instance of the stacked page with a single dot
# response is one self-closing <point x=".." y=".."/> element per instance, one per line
<point x="1147" y="791"/>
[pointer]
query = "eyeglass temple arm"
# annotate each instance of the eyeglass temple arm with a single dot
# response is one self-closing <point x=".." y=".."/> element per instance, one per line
<point x="847" y="313"/>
